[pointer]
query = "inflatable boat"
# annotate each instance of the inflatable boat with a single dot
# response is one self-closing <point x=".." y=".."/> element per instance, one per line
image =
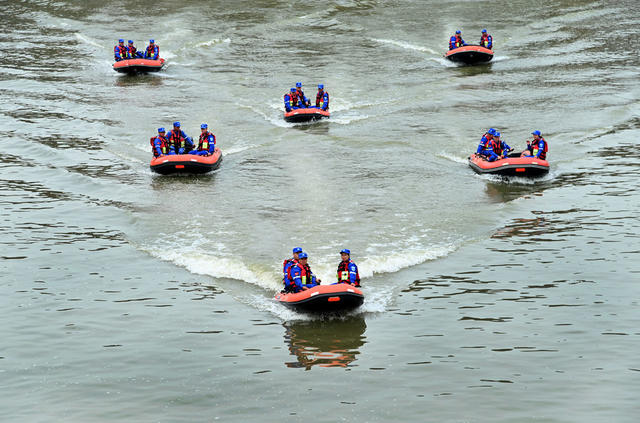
<point x="305" y="115"/>
<point x="470" y="55"/>
<point x="138" y="65"/>
<point x="323" y="298"/>
<point x="186" y="163"/>
<point x="514" y="165"/>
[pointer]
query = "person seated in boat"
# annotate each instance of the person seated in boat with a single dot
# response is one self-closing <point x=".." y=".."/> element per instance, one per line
<point x="500" y="147"/>
<point x="300" y="276"/>
<point x="153" y="51"/>
<point x="322" y="98"/>
<point x="347" y="269"/>
<point x="120" y="51"/>
<point x="302" y="100"/>
<point x="486" y="146"/>
<point x="206" y="142"/>
<point x="160" y="145"/>
<point x="456" y="40"/>
<point x="538" y="147"/>
<point x="132" y="51"/>
<point x="486" y="138"/>
<point x="287" y="263"/>
<point x="181" y="142"/>
<point x="486" y="40"/>
<point x="290" y="100"/>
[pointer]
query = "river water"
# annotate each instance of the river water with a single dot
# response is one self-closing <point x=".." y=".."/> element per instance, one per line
<point x="128" y="296"/>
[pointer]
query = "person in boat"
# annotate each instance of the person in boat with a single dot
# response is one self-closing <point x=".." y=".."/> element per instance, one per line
<point x="485" y="141"/>
<point x="302" y="100"/>
<point x="153" y="51"/>
<point x="286" y="266"/>
<point x="160" y="144"/>
<point x="120" y="51"/>
<point x="206" y="142"/>
<point x="181" y="142"/>
<point x="290" y="100"/>
<point x="300" y="275"/>
<point x="322" y="98"/>
<point x="456" y="40"/>
<point x="500" y="147"/>
<point x="347" y="269"/>
<point x="132" y="51"/>
<point x="538" y="147"/>
<point x="486" y="40"/>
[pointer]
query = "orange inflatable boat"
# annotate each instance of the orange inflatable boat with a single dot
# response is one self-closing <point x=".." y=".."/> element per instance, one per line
<point x="470" y="55"/>
<point x="138" y="65"/>
<point x="323" y="298"/>
<point x="306" y="115"/>
<point x="514" y="165"/>
<point x="186" y="163"/>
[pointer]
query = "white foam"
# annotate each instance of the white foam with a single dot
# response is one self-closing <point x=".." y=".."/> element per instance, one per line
<point x="213" y="42"/>
<point x="406" y="45"/>
<point x="88" y="40"/>
<point x="452" y="158"/>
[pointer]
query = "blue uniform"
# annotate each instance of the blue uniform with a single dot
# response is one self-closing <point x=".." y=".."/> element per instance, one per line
<point x="539" y="149"/>
<point x="322" y="100"/>
<point x="300" y="277"/>
<point x="348" y="273"/>
<point x="152" y="52"/>
<point x="455" y="42"/>
<point x="288" y="102"/>
<point x="180" y="141"/>
<point x="159" y="148"/>
<point x="302" y="100"/>
<point x="482" y="146"/>
<point x="485" y="148"/>
<point x="206" y="144"/>
<point x="486" y="41"/>
<point x="120" y="52"/>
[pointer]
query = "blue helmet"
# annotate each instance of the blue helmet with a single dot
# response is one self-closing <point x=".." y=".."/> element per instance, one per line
<point x="293" y="90"/>
<point x="345" y="251"/>
<point x="496" y="134"/>
<point x="302" y="255"/>
<point x="491" y="131"/>
<point x="130" y="41"/>
<point x="299" y="84"/>
<point x="321" y="86"/>
<point x="536" y="132"/>
<point x="151" y="41"/>
<point x="483" y="31"/>
<point x="297" y="250"/>
<point x="458" y="32"/>
<point x="160" y="130"/>
<point x="204" y="126"/>
<point x="121" y="40"/>
<point x="176" y="124"/>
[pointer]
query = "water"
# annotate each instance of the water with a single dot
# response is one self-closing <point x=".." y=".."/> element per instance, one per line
<point x="130" y="296"/>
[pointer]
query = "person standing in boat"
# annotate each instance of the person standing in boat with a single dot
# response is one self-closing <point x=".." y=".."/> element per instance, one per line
<point x="538" y="147"/>
<point x="302" y="100"/>
<point x="456" y="40"/>
<point x="153" y="51"/>
<point x="347" y="269"/>
<point x="300" y="276"/>
<point x="160" y="144"/>
<point x="287" y="264"/>
<point x="486" y="40"/>
<point x="132" y="51"/>
<point x="180" y="141"/>
<point x="120" y="51"/>
<point x="322" y="98"/>
<point x="500" y="147"/>
<point x="206" y="142"/>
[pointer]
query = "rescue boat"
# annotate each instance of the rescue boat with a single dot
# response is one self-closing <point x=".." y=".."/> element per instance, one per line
<point x="470" y="54"/>
<point x="133" y="66"/>
<point x="513" y="165"/>
<point x="323" y="298"/>
<point x="186" y="163"/>
<point x="305" y="115"/>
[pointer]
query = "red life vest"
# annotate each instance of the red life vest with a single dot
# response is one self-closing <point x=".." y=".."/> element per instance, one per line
<point x="296" y="100"/>
<point x="343" y="272"/>
<point x="497" y="146"/>
<point x="484" y="39"/>
<point x="288" y="279"/>
<point x="122" y="50"/>
<point x="176" y="139"/>
<point x="151" y="50"/>
<point x="543" y="154"/>
<point x="203" y="142"/>
<point x="163" y="145"/>
<point x="319" y="97"/>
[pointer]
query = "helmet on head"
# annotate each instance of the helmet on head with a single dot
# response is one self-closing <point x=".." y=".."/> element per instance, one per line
<point x="151" y="41"/>
<point x="130" y="41"/>
<point x="536" y="132"/>
<point x="345" y="251"/>
<point x="297" y="250"/>
<point x="204" y="126"/>
<point x="121" y="40"/>
<point x="321" y="86"/>
<point x="299" y="84"/>
<point x="302" y="255"/>
<point x="496" y="134"/>
<point x="160" y="130"/>
<point x="484" y="31"/>
<point x="491" y="131"/>
<point x="176" y="124"/>
<point x="458" y="32"/>
<point x="293" y="90"/>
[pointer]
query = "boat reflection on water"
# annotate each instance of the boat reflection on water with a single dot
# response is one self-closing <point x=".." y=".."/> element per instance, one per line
<point x="324" y="343"/>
